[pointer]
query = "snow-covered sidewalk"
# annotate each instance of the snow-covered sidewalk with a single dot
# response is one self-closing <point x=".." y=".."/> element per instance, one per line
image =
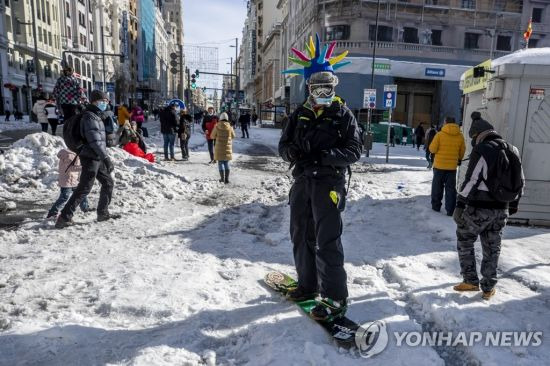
<point x="178" y="280"/>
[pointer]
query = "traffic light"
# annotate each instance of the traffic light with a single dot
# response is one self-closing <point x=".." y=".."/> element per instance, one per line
<point x="204" y="89"/>
<point x="30" y="66"/>
<point x="193" y="81"/>
<point x="197" y="73"/>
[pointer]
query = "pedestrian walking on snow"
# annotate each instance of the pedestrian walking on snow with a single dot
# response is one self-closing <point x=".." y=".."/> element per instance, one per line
<point x="184" y="133"/>
<point x="224" y="134"/>
<point x="491" y="191"/>
<point x="244" y="121"/>
<point x="69" y="170"/>
<point x="430" y="134"/>
<point x="39" y="108"/>
<point x="449" y="147"/>
<point x="321" y="140"/>
<point x="208" y="123"/>
<point x="169" y="129"/>
<point x="418" y="136"/>
<point x="95" y="162"/>
<point x="52" y="114"/>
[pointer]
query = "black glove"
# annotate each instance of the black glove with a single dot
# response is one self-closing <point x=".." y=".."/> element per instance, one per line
<point x="457" y="216"/>
<point x="109" y="165"/>
<point x="292" y="153"/>
<point x="513" y="208"/>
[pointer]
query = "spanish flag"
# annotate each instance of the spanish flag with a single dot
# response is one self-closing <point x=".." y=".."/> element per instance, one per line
<point x="529" y="31"/>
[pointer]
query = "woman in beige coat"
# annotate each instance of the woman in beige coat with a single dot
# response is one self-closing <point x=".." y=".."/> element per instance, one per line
<point x="224" y="134"/>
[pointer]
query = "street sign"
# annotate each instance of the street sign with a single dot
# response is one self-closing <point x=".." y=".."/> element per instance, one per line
<point x="110" y="87"/>
<point x="369" y="98"/>
<point x="390" y="96"/>
<point x="430" y="71"/>
<point x="177" y="102"/>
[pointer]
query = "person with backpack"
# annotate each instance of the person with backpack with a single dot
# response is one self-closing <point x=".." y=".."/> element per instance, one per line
<point x="52" y="115"/>
<point x="184" y="133"/>
<point x="321" y="141"/>
<point x="430" y="134"/>
<point x="67" y="93"/>
<point x="39" y="109"/>
<point x="69" y="169"/>
<point x="449" y="147"/>
<point x="169" y="129"/>
<point x="208" y="124"/>
<point x="224" y="134"/>
<point x="491" y="191"/>
<point x="85" y="135"/>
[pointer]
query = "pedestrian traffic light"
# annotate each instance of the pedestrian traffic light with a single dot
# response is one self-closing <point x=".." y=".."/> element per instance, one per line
<point x="193" y="81"/>
<point x="197" y="73"/>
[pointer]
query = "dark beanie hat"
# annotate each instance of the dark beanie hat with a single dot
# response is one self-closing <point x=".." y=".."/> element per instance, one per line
<point x="97" y="95"/>
<point x="479" y="125"/>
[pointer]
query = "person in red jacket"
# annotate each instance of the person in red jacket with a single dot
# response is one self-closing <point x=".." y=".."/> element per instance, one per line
<point x="133" y="148"/>
<point x="208" y="124"/>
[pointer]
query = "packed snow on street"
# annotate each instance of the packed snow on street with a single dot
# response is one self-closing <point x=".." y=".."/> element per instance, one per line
<point x="178" y="279"/>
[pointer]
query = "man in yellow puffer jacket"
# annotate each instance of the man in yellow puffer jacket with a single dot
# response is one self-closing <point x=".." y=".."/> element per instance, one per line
<point x="449" y="147"/>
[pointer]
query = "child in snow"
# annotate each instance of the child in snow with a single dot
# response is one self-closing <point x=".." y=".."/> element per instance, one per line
<point x="223" y="134"/>
<point x="69" y="175"/>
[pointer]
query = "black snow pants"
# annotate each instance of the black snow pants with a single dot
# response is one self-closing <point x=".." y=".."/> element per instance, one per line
<point x="444" y="181"/>
<point x="91" y="169"/>
<point x="315" y="230"/>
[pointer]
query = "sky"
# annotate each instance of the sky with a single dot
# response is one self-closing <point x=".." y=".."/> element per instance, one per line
<point x="215" y="23"/>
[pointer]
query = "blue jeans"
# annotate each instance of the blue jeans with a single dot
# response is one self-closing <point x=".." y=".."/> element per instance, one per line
<point x="64" y="196"/>
<point x="169" y="141"/>
<point x="223" y="165"/>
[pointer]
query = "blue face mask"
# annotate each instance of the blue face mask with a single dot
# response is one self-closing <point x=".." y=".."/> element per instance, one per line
<point x="323" y="101"/>
<point x="102" y="106"/>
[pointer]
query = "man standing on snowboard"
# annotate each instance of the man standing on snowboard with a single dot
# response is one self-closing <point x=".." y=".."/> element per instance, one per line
<point x="321" y="141"/>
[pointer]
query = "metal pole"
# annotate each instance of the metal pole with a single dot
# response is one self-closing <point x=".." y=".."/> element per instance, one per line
<point x="102" y="48"/>
<point x="236" y="76"/>
<point x="369" y="118"/>
<point x="388" y="139"/>
<point x="29" y="96"/>
<point x="182" y="83"/>
<point x="36" y="64"/>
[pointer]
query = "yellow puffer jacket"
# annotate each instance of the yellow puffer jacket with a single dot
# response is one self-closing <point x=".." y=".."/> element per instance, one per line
<point x="223" y="134"/>
<point x="448" y="146"/>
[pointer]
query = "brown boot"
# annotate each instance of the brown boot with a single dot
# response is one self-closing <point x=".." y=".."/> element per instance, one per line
<point x="463" y="286"/>
<point x="488" y="294"/>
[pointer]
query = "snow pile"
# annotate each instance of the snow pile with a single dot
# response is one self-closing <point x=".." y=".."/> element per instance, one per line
<point x="30" y="168"/>
<point x="31" y="163"/>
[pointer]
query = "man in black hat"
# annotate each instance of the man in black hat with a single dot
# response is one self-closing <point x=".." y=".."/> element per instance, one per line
<point x="95" y="163"/>
<point x="480" y="211"/>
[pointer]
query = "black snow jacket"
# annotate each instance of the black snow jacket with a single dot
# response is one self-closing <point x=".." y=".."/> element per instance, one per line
<point x="93" y="130"/>
<point x="473" y="191"/>
<point x="324" y="144"/>
<point x="168" y="121"/>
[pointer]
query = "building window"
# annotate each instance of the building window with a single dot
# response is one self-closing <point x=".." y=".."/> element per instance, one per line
<point x="468" y="4"/>
<point x="69" y="32"/>
<point x="504" y="43"/>
<point x="436" y="37"/>
<point x="337" y="32"/>
<point x="67" y="10"/>
<point x="410" y="35"/>
<point x="50" y="42"/>
<point x="536" y="15"/>
<point x="471" y="40"/>
<point x="7" y="2"/>
<point x="533" y="43"/>
<point x="385" y="33"/>
<point x="8" y="24"/>
<point x="39" y="34"/>
<point x="48" y="13"/>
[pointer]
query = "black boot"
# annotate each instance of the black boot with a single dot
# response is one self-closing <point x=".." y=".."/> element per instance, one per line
<point x="222" y="177"/>
<point x="226" y="176"/>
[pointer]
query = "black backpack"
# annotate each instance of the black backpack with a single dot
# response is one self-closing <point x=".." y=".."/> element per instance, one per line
<point x="71" y="133"/>
<point x="506" y="176"/>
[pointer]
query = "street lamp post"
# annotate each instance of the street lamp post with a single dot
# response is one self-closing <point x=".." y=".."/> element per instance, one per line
<point x="36" y="64"/>
<point x="236" y="72"/>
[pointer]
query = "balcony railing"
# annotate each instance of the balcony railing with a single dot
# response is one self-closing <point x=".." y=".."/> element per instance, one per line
<point x="417" y="48"/>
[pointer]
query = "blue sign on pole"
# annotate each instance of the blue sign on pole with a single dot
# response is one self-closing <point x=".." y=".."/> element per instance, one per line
<point x="390" y="96"/>
<point x="434" y="72"/>
<point x="180" y="103"/>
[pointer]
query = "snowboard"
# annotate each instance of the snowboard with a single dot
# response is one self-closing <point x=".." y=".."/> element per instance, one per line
<point x="341" y="329"/>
